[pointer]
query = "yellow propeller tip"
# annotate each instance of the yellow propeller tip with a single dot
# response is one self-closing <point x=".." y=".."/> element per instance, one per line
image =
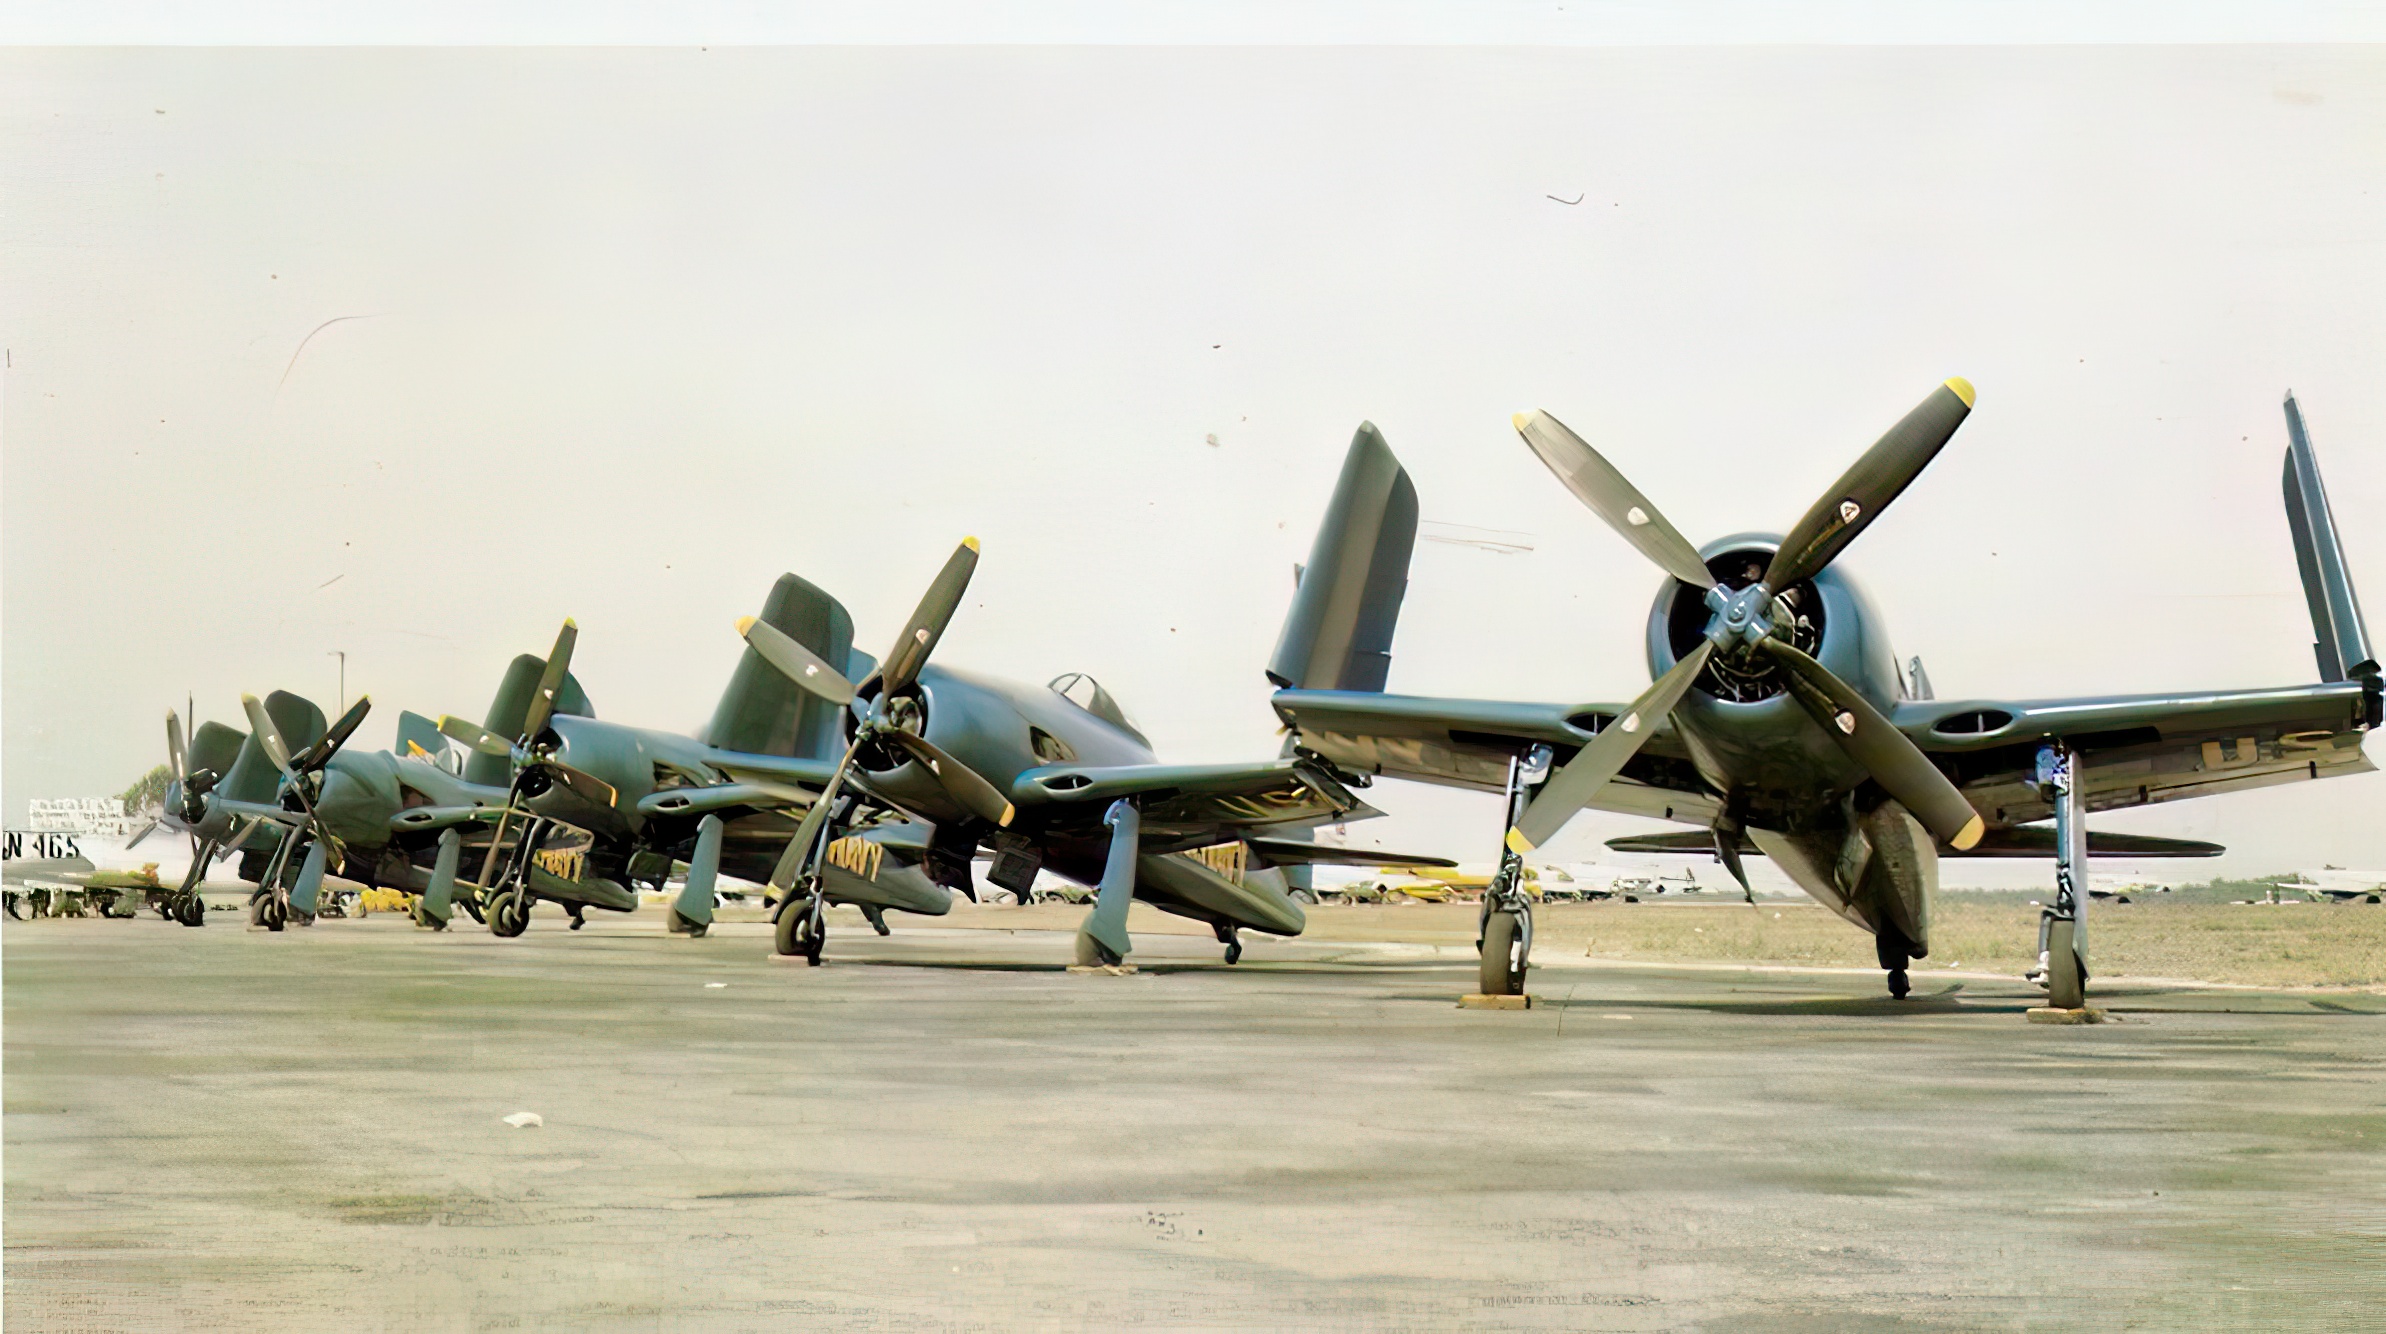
<point x="1518" y="843"/>
<point x="570" y="624"/>
<point x="1008" y="810"/>
<point x="745" y="626"/>
<point x="970" y="542"/>
<point x="1963" y="389"/>
<point x="1968" y="835"/>
<point x="1520" y="420"/>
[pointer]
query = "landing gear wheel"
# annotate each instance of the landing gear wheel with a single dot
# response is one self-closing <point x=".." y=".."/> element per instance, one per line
<point x="1234" y="951"/>
<point x="267" y="910"/>
<point x="192" y="911"/>
<point x="471" y="899"/>
<point x="795" y="933"/>
<point x="681" y="926"/>
<point x="1898" y="986"/>
<point x="2066" y="977"/>
<point x="507" y="915"/>
<point x="1092" y="953"/>
<point x="1501" y="972"/>
<point x="577" y="920"/>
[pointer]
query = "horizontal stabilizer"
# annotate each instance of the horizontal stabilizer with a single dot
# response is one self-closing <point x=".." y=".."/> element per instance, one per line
<point x="2039" y="841"/>
<point x="2020" y="841"/>
<point x="1694" y="841"/>
<point x="1295" y="852"/>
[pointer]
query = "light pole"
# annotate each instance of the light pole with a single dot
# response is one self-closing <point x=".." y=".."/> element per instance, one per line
<point x="342" y="655"/>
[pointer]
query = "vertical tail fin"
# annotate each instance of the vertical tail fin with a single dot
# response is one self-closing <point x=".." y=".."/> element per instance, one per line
<point x="253" y="776"/>
<point x="417" y="733"/>
<point x="1338" y="635"/>
<point x="762" y="712"/>
<point x="511" y="708"/>
<point x="2340" y="640"/>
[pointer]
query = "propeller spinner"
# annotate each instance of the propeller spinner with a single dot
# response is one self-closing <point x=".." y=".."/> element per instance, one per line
<point x="1752" y="625"/>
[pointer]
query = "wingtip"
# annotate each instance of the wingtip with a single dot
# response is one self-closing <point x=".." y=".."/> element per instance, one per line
<point x="1963" y="389"/>
<point x="1518" y="843"/>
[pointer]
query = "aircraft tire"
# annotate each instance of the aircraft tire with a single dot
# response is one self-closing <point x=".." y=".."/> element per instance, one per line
<point x="783" y="930"/>
<point x="1497" y="973"/>
<point x="192" y="911"/>
<point x="506" y="917"/>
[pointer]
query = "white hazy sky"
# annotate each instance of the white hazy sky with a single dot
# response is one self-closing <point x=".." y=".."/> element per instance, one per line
<point x="643" y="328"/>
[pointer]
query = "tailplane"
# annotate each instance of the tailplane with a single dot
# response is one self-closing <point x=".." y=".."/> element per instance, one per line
<point x="1346" y="600"/>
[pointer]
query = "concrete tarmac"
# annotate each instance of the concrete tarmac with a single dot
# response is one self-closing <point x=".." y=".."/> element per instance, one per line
<point x="228" y="1129"/>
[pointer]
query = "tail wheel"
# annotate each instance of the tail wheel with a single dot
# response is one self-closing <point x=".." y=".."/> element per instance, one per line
<point x="1501" y="972"/>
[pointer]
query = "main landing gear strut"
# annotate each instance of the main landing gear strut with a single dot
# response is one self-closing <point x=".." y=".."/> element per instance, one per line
<point x="2062" y="925"/>
<point x="1504" y="933"/>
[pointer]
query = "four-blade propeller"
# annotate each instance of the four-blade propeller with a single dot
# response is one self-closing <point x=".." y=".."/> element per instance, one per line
<point x="1751" y="622"/>
<point x="885" y="723"/>
<point x="525" y="751"/>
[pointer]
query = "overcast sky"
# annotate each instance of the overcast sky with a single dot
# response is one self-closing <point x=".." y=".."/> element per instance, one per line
<point x="622" y="335"/>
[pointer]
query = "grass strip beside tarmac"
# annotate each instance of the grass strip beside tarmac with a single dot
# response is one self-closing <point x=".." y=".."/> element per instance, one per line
<point x="2296" y="945"/>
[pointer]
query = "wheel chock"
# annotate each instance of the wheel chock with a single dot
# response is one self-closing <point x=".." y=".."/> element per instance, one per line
<point x="2047" y="1014"/>
<point x="1480" y="1002"/>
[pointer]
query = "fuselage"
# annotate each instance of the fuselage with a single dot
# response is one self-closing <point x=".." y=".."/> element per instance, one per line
<point x="1749" y="738"/>
<point x="1804" y="802"/>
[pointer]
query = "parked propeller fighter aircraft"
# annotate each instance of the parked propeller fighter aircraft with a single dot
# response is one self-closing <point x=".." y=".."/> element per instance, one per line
<point x="1778" y="719"/>
<point x="597" y="808"/>
<point x="374" y="816"/>
<point x="1054" y="777"/>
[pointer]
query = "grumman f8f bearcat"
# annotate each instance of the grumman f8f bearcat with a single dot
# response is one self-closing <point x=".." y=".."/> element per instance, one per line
<point x="1779" y="721"/>
<point x="299" y="807"/>
<point x="939" y="761"/>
